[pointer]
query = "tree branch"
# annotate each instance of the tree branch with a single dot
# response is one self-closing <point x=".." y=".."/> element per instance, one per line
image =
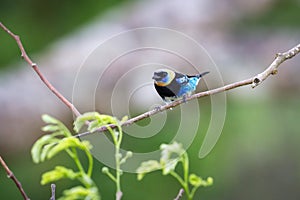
<point x="253" y="81"/>
<point x="180" y="193"/>
<point x="39" y="73"/>
<point x="11" y="175"/>
<point x="119" y="195"/>
<point x="272" y="69"/>
<point x="53" y="186"/>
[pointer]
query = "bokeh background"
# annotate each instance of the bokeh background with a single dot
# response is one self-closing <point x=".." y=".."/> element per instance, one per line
<point x="257" y="155"/>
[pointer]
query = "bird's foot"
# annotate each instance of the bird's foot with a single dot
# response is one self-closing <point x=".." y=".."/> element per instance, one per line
<point x="157" y="108"/>
<point x="184" y="98"/>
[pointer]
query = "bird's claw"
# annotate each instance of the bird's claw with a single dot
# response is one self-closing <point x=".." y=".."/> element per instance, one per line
<point x="157" y="108"/>
<point x="184" y="98"/>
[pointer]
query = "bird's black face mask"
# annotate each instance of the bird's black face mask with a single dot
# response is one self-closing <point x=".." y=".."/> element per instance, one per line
<point x="158" y="76"/>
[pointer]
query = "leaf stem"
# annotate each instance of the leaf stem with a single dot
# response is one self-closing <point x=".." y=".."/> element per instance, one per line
<point x="117" y="139"/>
<point x="179" y="179"/>
<point x="112" y="177"/>
<point x="194" y="190"/>
<point x="77" y="161"/>
<point x="184" y="182"/>
<point x="91" y="162"/>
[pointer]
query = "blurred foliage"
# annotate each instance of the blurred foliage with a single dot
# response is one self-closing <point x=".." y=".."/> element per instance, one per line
<point x="280" y="14"/>
<point x="39" y="23"/>
<point x="171" y="155"/>
<point x="256" y="157"/>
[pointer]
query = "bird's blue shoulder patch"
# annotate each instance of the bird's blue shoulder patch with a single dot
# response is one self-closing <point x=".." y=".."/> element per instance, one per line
<point x="188" y="87"/>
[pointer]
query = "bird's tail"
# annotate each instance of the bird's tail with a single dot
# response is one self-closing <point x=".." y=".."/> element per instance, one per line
<point x="202" y="74"/>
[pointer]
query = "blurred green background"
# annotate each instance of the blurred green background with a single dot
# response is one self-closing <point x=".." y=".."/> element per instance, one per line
<point x="54" y="18"/>
<point x="257" y="155"/>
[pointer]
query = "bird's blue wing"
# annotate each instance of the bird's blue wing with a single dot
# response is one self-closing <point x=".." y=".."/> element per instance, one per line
<point x="182" y="80"/>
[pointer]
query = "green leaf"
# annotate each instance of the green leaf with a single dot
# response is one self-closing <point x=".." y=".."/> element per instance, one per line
<point x="58" y="173"/>
<point x="49" y="120"/>
<point x="55" y="126"/>
<point x="78" y="124"/>
<point x="124" y="119"/>
<point x="171" y="154"/>
<point x="45" y="151"/>
<point x="80" y="192"/>
<point x="195" y="180"/>
<point x="107" y="119"/>
<point x="147" y="167"/>
<point x="93" y="126"/>
<point x="49" y="145"/>
<point x="50" y="128"/>
<point x="67" y="143"/>
<point x="95" y="120"/>
<point x="208" y="182"/>
<point x="82" y="119"/>
<point x="168" y="150"/>
<point x="87" y="180"/>
<point x="198" y="181"/>
<point x="169" y="166"/>
<point x="37" y="148"/>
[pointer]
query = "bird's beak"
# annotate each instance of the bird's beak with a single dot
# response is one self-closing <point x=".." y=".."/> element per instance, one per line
<point x="155" y="77"/>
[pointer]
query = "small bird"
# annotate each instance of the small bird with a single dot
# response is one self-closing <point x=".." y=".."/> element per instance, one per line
<point x="172" y="86"/>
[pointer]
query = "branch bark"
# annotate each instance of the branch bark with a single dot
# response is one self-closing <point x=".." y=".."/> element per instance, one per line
<point x="253" y="81"/>
<point x="119" y="195"/>
<point x="38" y="72"/>
<point x="53" y="187"/>
<point x="11" y="175"/>
<point x="179" y="195"/>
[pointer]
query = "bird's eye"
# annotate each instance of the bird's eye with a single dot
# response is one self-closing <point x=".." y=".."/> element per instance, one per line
<point x="160" y="74"/>
<point x="163" y="74"/>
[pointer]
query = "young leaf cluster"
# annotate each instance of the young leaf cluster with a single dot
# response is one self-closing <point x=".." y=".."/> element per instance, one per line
<point x="94" y="121"/>
<point x="60" y="140"/>
<point x="171" y="156"/>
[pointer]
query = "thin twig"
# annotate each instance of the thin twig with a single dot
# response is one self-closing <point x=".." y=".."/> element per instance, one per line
<point x="180" y="193"/>
<point x="12" y="176"/>
<point x="36" y="69"/>
<point x="272" y="69"/>
<point x="53" y="186"/>
<point x="254" y="81"/>
<point x="119" y="195"/>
